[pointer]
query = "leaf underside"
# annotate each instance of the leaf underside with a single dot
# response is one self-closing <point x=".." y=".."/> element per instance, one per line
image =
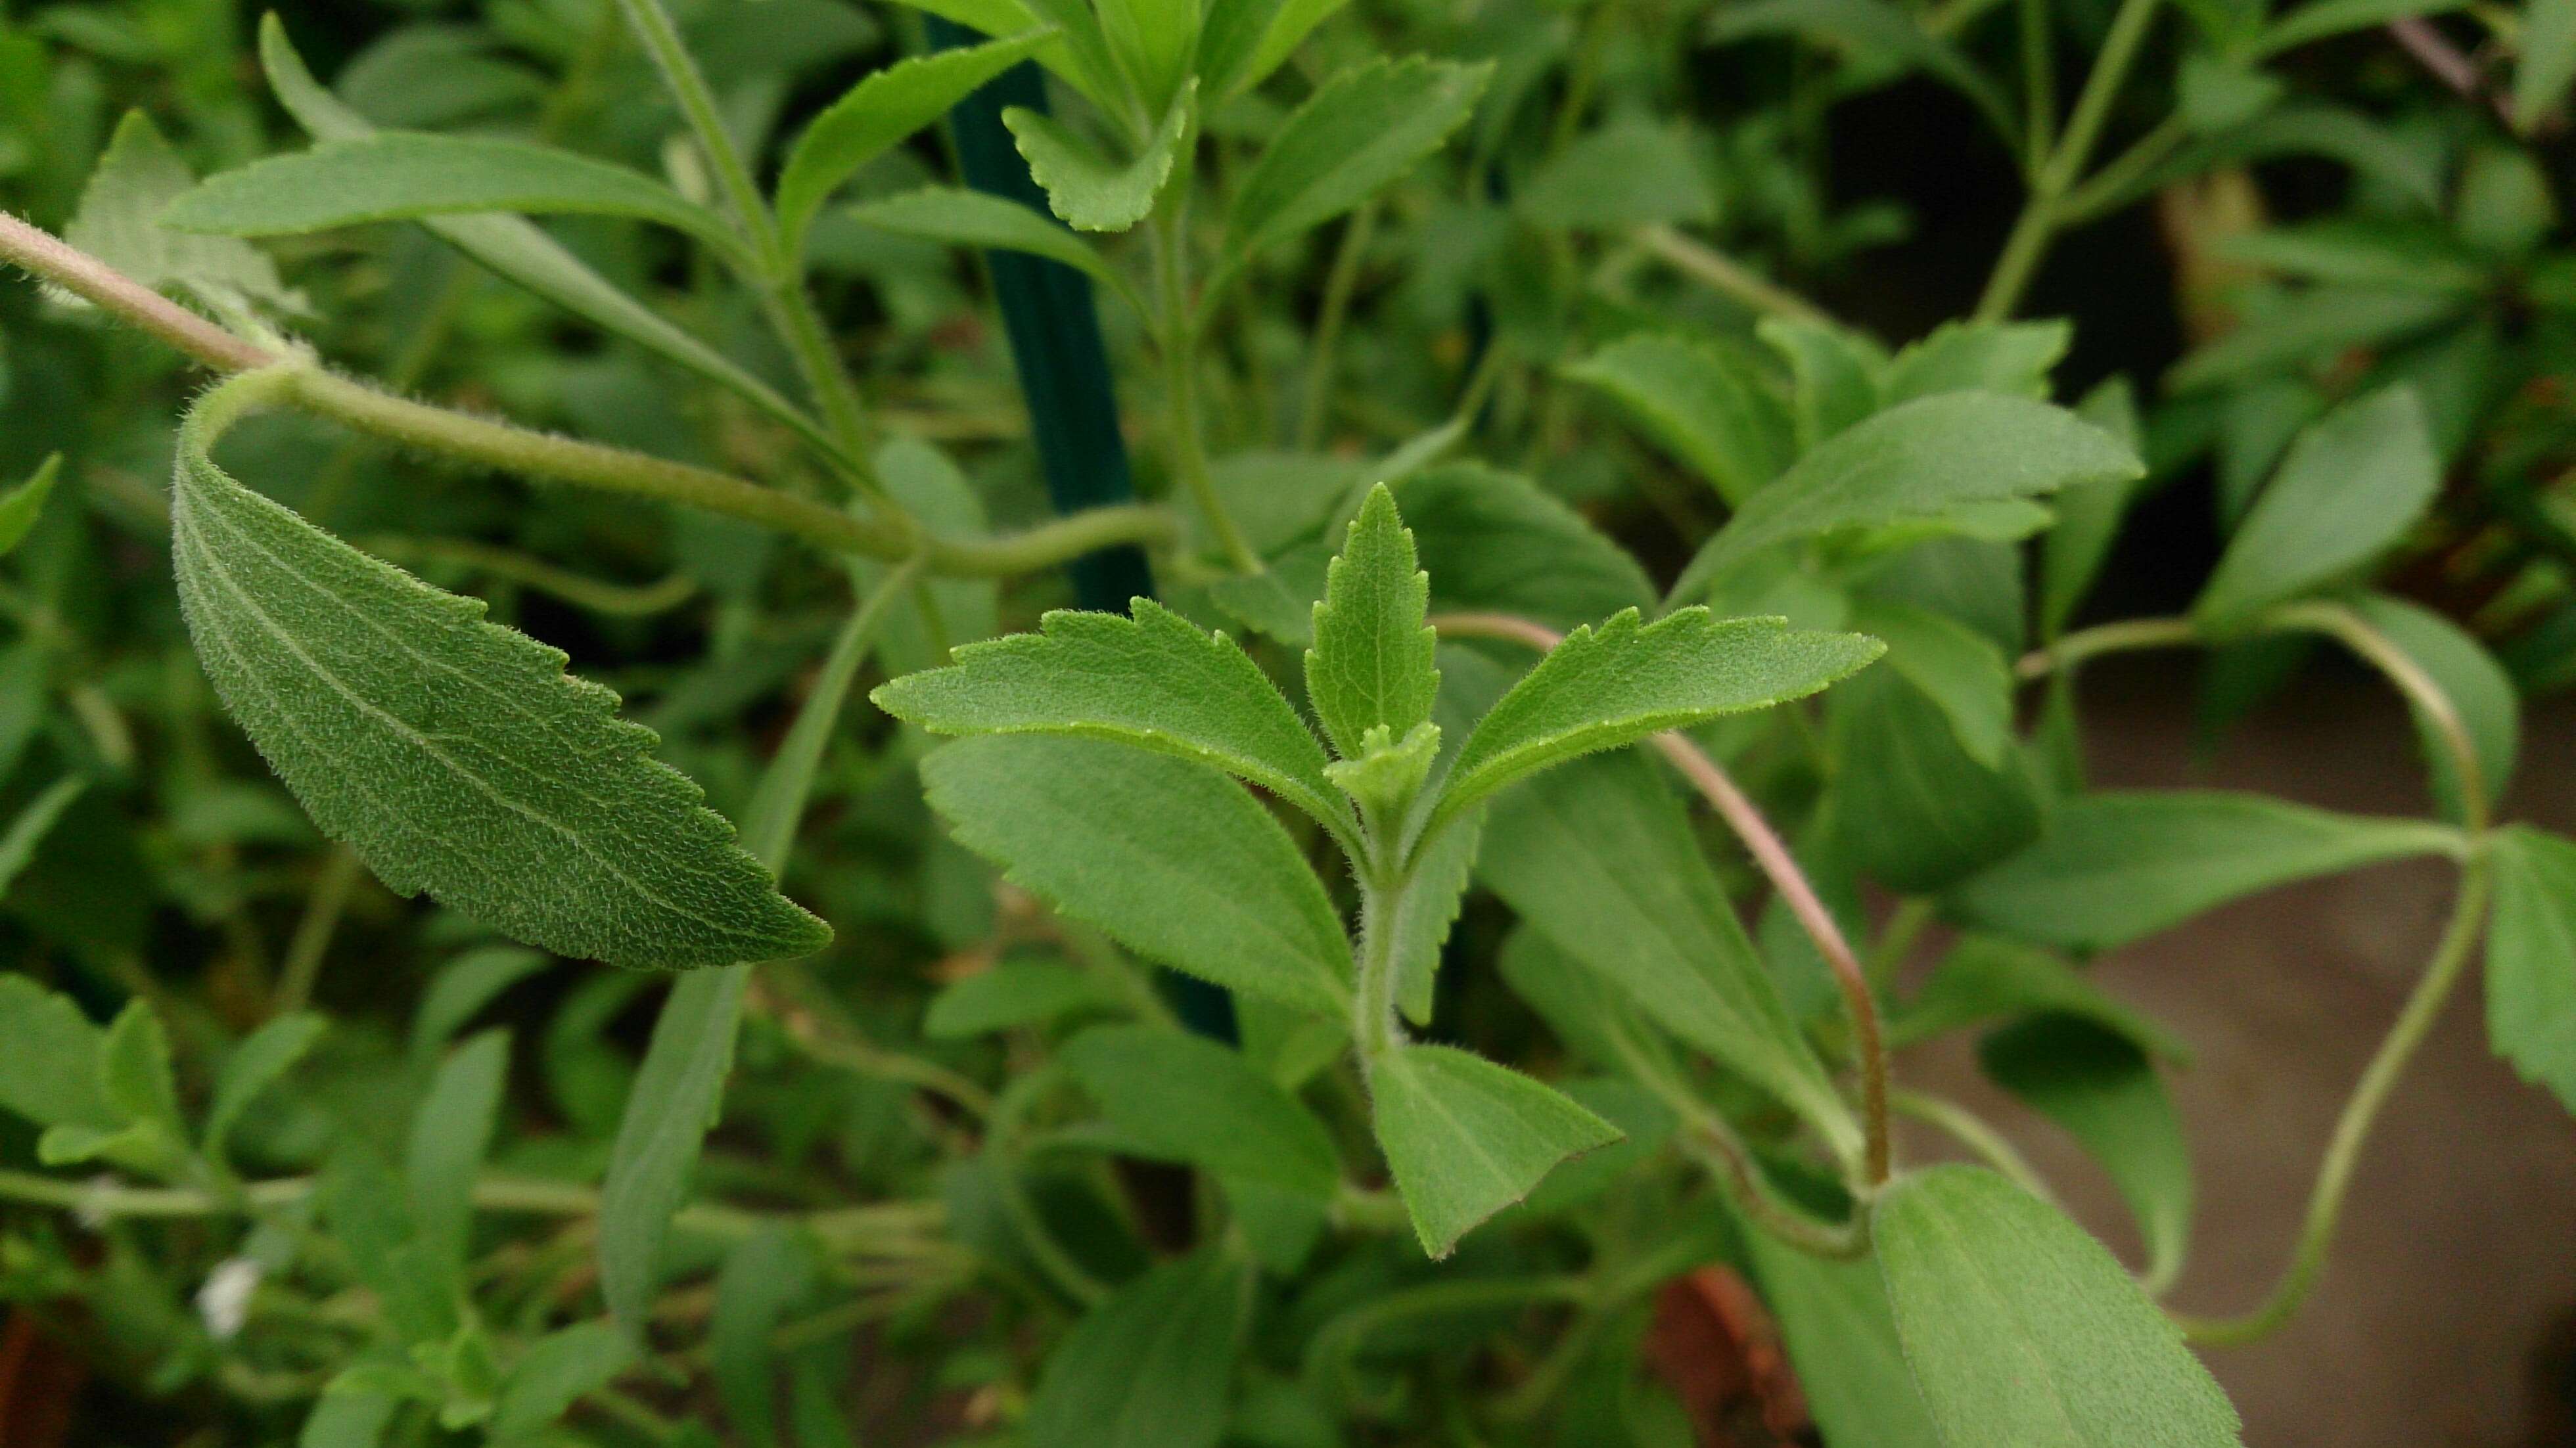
<point x="455" y="756"/>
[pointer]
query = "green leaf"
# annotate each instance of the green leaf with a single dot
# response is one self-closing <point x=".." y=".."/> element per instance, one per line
<point x="1704" y="404"/>
<point x="2480" y="691"/>
<point x="2117" y="866"/>
<point x="515" y="248"/>
<point x="26" y="833"/>
<point x="450" y="1135"/>
<point x="556" y="1371"/>
<point x="2088" y="514"/>
<point x="1426" y="910"/>
<point x="2319" y="322"/>
<point x="2101" y="1089"/>
<point x="1153" y="682"/>
<point x="1356" y="134"/>
<point x="1012" y="994"/>
<point x="23" y="504"/>
<point x="762" y="1279"/>
<point x="2531" y="958"/>
<point x="348" y="1418"/>
<point x="971" y="218"/>
<point x="1245" y="40"/>
<point x="406" y="175"/>
<point x="1169" y="856"/>
<point x="1497" y="542"/>
<point x="1627" y="174"/>
<point x="1916" y="811"/>
<point x="1153" y="42"/>
<point x="1837" y="375"/>
<point x="135" y="1084"/>
<point x="2013" y="358"/>
<point x="1985" y="977"/>
<point x="2353" y="482"/>
<point x="875" y="115"/>
<point x="1150" y="1367"/>
<point x="462" y="988"/>
<point x="51" y="1075"/>
<point x="1177" y="1097"/>
<point x="1923" y="461"/>
<point x="1466" y="1138"/>
<point x="1603" y="688"/>
<point x="262" y="1058"/>
<point x="1958" y="669"/>
<point x="119" y="222"/>
<point x="2024" y="1333"/>
<point x="454" y="755"/>
<point x="674" y="1103"/>
<point x="1600" y="858"/>
<point x="1090" y="191"/>
<point x="1371" y="666"/>
<point x="1834" y="1320"/>
<point x="1389" y="772"/>
<point x="2548" y="60"/>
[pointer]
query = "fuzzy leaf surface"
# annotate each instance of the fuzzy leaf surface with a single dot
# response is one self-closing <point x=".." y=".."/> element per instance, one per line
<point x="1921" y="461"/>
<point x="1179" y="1097"/>
<point x="1467" y="1138"/>
<point x="1371" y="666"/>
<point x="1153" y="682"/>
<point x="1149" y="1368"/>
<point x="454" y="755"/>
<point x="1628" y="679"/>
<point x="119" y="222"/>
<point x="2024" y="1333"/>
<point x="1706" y="406"/>
<point x="1167" y="855"/>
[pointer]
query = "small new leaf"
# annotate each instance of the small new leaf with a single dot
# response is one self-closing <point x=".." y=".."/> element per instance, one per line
<point x="1629" y="679"/>
<point x="879" y="112"/>
<point x="455" y="756"/>
<point x="1153" y="681"/>
<point x="971" y="218"/>
<point x="1371" y="666"/>
<point x="1382" y="780"/>
<point x="1466" y="1138"/>
<point x="1090" y="191"/>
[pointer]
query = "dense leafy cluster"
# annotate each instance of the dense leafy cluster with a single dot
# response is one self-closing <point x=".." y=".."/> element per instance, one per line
<point x="1594" y="712"/>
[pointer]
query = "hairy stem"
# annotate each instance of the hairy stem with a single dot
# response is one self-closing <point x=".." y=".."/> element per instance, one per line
<point x="42" y="253"/>
<point x="1771" y="855"/>
<point x="1971" y="1131"/>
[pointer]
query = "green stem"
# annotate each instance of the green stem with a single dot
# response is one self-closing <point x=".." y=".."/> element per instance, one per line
<point x="1178" y="324"/>
<point x="1971" y="1131"/>
<point x="783" y="296"/>
<point x="1727" y="276"/>
<point x="1339" y="283"/>
<point x="617" y="600"/>
<point x="1373" y="1020"/>
<point x="2040" y="218"/>
<point x="313" y="932"/>
<point x="2352" y="1129"/>
<point x="2039" y="81"/>
<point x="1001" y="1138"/>
<point x="2113" y="186"/>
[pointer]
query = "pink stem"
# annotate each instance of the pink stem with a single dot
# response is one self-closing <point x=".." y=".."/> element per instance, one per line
<point x="83" y="275"/>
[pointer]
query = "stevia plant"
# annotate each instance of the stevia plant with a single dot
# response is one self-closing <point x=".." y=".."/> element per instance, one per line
<point x="1460" y="799"/>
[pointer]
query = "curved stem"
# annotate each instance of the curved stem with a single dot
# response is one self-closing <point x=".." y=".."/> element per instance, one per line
<point x="1727" y="276"/>
<point x="2352" y="1129"/>
<point x="1771" y="855"/>
<point x="1971" y="1131"/>
<point x="1339" y="283"/>
<point x="1178" y="325"/>
<point x="48" y="256"/>
<point x="2109" y="638"/>
<point x="1714" y="1145"/>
